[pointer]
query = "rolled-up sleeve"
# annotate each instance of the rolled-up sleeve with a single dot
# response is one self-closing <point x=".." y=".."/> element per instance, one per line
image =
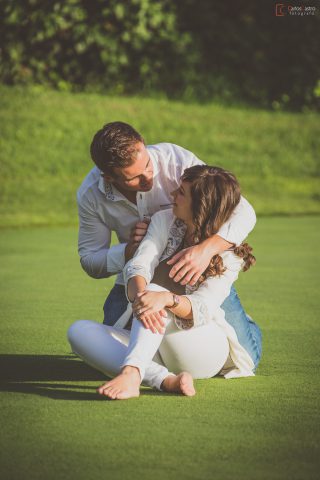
<point x="97" y="258"/>
<point x="240" y="224"/>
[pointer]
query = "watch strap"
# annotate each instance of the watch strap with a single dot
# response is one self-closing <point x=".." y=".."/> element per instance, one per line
<point x="176" y="300"/>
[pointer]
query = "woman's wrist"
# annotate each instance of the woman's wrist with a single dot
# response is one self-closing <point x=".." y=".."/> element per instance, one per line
<point x="136" y="296"/>
<point x="173" y="300"/>
<point x="136" y="284"/>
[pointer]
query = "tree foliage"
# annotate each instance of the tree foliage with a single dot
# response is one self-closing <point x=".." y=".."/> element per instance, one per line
<point x="203" y="49"/>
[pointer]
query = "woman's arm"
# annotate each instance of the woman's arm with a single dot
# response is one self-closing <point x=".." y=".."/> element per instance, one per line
<point x="200" y="306"/>
<point x="135" y="285"/>
<point x="148" y="254"/>
<point x="150" y="308"/>
<point x="150" y="302"/>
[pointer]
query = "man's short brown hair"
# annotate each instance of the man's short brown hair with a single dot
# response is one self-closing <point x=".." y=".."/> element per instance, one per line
<point x="114" y="146"/>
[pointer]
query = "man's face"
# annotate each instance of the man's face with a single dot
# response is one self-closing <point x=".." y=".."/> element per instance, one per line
<point x="137" y="177"/>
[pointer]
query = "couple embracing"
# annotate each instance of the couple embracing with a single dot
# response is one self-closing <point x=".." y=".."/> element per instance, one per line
<point x="173" y="314"/>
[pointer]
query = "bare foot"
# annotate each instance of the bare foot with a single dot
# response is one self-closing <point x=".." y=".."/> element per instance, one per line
<point x="126" y="385"/>
<point x="182" y="383"/>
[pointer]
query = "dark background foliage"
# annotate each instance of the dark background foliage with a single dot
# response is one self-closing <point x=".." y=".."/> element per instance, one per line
<point x="192" y="49"/>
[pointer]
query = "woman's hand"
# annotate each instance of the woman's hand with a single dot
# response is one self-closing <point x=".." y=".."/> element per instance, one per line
<point x="153" y="322"/>
<point x="149" y="307"/>
<point x="151" y="302"/>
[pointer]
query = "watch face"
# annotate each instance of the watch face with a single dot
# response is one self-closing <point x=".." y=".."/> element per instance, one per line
<point x="176" y="300"/>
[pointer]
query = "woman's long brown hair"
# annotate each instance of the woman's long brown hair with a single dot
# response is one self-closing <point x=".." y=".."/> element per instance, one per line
<point x="215" y="194"/>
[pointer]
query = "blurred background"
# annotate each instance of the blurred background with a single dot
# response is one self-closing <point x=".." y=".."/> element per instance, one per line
<point x="232" y="81"/>
<point x="188" y="49"/>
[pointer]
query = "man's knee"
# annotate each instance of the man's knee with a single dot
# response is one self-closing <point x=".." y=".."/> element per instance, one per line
<point x="232" y="304"/>
<point x="115" y="305"/>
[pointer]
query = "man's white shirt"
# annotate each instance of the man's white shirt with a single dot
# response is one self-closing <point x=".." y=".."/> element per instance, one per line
<point x="103" y="209"/>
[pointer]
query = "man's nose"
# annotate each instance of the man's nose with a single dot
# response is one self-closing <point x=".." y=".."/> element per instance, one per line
<point x="145" y="178"/>
<point x="173" y="194"/>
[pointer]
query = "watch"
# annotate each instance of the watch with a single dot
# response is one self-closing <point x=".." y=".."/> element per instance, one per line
<point x="176" y="300"/>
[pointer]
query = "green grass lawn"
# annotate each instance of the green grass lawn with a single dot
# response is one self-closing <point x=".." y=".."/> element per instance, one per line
<point x="54" y="425"/>
<point x="45" y="138"/>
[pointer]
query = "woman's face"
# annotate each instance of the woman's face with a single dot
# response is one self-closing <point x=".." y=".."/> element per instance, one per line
<point x="182" y="207"/>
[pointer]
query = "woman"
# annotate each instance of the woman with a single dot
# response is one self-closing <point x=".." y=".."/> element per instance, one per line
<point x="175" y="327"/>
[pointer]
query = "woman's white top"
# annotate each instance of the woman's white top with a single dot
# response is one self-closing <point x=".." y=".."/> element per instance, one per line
<point x="164" y="236"/>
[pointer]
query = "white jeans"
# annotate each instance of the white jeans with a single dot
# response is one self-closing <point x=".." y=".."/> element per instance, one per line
<point x="202" y="351"/>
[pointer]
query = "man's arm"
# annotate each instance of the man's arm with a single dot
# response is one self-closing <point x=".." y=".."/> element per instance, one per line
<point x="190" y="263"/>
<point x="240" y="224"/>
<point x="97" y="258"/>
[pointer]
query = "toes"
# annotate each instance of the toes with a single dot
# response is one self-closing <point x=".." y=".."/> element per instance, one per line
<point x="188" y="390"/>
<point x="101" y="389"/>
<point x="116" y="393"/>
<point x="186" y="385"/>
<point x="121" y="395"/>
<point x="111" y="393"/>
<point x="108" y="391"/>
<point x="118" y="388"/>
<point x="104" y="387"/>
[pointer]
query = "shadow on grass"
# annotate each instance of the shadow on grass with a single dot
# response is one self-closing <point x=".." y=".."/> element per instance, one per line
<point x="28" y="368"/>
<point x="39" y="374"/>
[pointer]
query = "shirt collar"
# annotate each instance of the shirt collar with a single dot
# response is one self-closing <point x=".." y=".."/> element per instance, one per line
<point x="154" y="160"/>
<point x="111" y="191"/>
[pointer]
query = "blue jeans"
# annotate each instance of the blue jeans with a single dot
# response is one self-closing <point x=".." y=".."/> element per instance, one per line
<point x="248" y="332"/>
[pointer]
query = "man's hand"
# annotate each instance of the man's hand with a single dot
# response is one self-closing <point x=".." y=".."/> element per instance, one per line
<point x="137" y="234"/>
<point x="149" y="308"/>
<point x="190" y="263"/>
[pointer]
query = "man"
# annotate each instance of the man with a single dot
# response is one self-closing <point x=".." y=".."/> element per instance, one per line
<point x="132" y="181"/>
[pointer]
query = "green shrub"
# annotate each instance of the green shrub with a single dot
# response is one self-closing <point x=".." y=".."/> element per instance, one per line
<point x="235" y="51"/>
